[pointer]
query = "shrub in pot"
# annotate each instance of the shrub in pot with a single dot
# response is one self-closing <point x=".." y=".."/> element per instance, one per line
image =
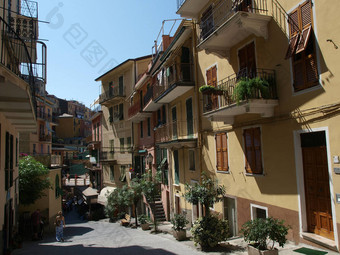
<point x="179" y="222"/>
<point x="251" y="88"/>
<point x="144" y="222"/>
<point x="259" y="233"/>
<point x="209" y="231"/>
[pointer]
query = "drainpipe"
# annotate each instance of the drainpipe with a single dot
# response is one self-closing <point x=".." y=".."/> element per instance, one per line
<point x="199" y="113"/>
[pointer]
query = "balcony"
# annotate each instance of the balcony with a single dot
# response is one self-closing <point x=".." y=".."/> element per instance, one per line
<point x="227" y="23"/>
<point x="112" y="96"/>
<point x="149" y="99"/>
<point x="116" y="156"/>
<point x="44" y="116"/>
<point x="225" y="107"/>
<point x="190" y="8"/>
<point x="45" y="138"/>
<point x="178" y="79"/>
<point x="176" y="134"/>
<point x="18" y="102"/>
<point x="136" y="114"/>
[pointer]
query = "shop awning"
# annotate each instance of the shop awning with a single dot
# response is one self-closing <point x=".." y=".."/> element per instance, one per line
<point x="104" y="193"/>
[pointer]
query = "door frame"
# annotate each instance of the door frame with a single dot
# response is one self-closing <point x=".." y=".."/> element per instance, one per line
<point x="300" y="180"/>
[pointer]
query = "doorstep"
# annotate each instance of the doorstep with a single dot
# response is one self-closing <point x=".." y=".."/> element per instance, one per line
<point x="322" y="241"/>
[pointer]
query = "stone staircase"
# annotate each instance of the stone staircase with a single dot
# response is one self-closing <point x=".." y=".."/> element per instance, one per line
<point x="159" y="210"/>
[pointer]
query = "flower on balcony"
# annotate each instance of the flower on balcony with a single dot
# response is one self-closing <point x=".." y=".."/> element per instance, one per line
<point x="207" y="89"/>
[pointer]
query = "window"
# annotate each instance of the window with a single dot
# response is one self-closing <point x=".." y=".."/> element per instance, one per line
<point x="190" y="121"/>
<point x="128" y="143"/>
<point x="163" y="115"/>
<point x="158" y="117"/>
<point x="258" y="212"/>
<point x="176" y="167"/>
<point x="48" y="149"/>
<point x="111" y="142"/>
<point x="121" y="85"/>
<point x="16" y="151"/>
<point x="149" y="127"/>
<point x="122" y="177"/>
<point x="121" y="111"/>
<point x="121" y="144"/>
<point x="41" y="149"/>
<point x="57" y="187"/>
<point x="301" y="48"/>
<point x="141" y="129"/>
<point x="34" y="148"/>
<point x="222" y="152"/>
<point x="174" y="122"/>
<point x="98" y="127"/>
<point x="112" y="176"/>
<point x="211" y="100"/>
<point x="111" y="114"/>
<point x="192" y="160"/>
<point x="252" y="148"/>
<point x="110" y="88"/>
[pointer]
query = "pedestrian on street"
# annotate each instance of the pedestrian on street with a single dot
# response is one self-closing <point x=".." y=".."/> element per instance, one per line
<point x="59" y="227"/>
<point x="35" y="219"/>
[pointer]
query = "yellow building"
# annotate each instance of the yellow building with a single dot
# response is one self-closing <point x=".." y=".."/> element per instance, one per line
<point x="275" y="149"/>
<point x="116" y="87"/>
<point x="17" y="103"/>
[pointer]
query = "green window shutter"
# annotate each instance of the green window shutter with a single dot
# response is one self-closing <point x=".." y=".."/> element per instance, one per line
<point x="122" y="174"/>
<point x="176" y="167"/>
<point x="112" y="176"/>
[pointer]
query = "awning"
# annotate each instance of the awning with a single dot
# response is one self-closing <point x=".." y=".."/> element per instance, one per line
<point x="142" y="151"/>
<point x="90" y="192"/>
<point x="104" y="193"/>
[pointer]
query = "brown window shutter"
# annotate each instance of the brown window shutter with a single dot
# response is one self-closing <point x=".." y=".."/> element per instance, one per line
<point x="214" y="76"/>
<point x="311" y="69"/>
<point x="292" y="46"/>
<point x="294" y="23"/>
<point x="306" y="14"/>
<point x="257" y="150"/>
<point x="248" y="150"/>
<point x="209" y="77"/>
<point x="303" y="39"/>
<point x="218" y="152"/>
<point x="298" y="75"/>
<point x="224" y="152"/>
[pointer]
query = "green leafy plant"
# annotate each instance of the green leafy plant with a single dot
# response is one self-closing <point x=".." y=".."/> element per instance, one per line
<point x="143" y="219"/>
<point x="209" y="231"/>
<point x="260" y="232"/>
<point x="118" y="202"/>
<point x="179" y="222"/>
<point x="33" y="180"/>
<point x="208" y="192"/>
<point x="206" y="88"/>
<point x="248" y="88"/>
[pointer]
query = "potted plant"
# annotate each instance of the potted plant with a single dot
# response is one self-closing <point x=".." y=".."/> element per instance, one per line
<point x="250" y="88"/>
<point x="178" y="225"/>
<point x="143" y="220"/>
<point x="208" y="90"/>
<point x="259" y="233"/>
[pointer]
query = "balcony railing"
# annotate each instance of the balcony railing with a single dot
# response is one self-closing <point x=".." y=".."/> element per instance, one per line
<point x="134" y="109"/>
<point x="115" y="92"/>
<point x="174" y="130"/>
<point x="216" y="15"/>
<point x="44" y="116"/>
<point x="229" y="83"/>
<point x="15" y="56"/>
<point x="44" y="138"/>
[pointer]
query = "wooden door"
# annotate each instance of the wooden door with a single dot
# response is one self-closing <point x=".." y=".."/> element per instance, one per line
<point x="318" y="201"/>
<point x="247" y="61"/>
<point x="212" y="81"/>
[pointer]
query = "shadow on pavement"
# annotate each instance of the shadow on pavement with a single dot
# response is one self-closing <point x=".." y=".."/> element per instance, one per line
<point x="80" y="249"/>
<point x="76" y="231"/>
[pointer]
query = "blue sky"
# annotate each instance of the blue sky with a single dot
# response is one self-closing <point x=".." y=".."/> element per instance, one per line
<point x="116" y="30"/>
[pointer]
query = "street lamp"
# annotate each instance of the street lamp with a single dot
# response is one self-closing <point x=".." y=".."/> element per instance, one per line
<point x="149" y="159"/>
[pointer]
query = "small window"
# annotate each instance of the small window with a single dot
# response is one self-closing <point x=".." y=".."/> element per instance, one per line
<point x="149" y="127"/>
<point x="112" y="176"/>
<point x="141" y="129"/>
<point x="258" y="212"/>
<point x="111" y="146"/>
<point x="121" y="111"/>
<point x="252" y="149"/>
<point x="192" y="160"/>
<point x="121" y="144"/>
<point x="128" y="143"/>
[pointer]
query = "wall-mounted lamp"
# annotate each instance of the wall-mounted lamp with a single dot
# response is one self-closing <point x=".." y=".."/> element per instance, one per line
<point x="335" y="46"/>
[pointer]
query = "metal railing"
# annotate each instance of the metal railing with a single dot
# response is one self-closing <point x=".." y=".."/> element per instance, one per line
<point x="228" y="84"/>
<point x="224" y="10"/>
<point x="149" y="95"/>
<point x="43" y="137"/>
<point x="174" y="130"/>
<point x="134" y="109"/>
<point x="15" y="57"/>
<point x="115" y="92"/>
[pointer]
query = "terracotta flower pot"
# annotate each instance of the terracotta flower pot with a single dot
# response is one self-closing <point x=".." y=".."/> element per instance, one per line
<point x="180" y="235"/>
<point x="145" y="226"/>
<point x="254" y="251"/>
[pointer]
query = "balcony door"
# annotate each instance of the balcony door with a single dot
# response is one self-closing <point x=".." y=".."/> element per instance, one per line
<point x="190" y="121"/>
<point x="247" y="61"/>
<point x="211" y="74"/>
<point x="174" y="122"/>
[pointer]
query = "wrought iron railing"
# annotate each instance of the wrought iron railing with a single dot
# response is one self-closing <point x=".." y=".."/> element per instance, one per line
<point x="219" y="13"/>
<point x="149" y="95"/>
<point x="114" y="93"/>
<point x="228" y="84"/>
<point x="174" y="130"/>
<point x="134" y="109"/>
<point x="15" y="56"/>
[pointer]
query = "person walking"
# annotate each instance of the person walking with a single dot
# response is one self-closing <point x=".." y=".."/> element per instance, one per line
<point x="59" y="227"/>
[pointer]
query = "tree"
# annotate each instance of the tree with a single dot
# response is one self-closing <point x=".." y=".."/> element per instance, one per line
<point x="151" y="190"/>
<point x="118" y="201"/>
<point x="33" y="180"/>
<point x="208" y="192"/>
<point x="136" y="195"/>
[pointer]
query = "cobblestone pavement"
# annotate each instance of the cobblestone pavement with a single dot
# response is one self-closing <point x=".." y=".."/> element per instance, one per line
<point x="110" y="238"/>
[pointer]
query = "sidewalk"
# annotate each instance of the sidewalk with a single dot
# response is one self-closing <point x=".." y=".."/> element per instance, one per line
<point x="239" y="246"/>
